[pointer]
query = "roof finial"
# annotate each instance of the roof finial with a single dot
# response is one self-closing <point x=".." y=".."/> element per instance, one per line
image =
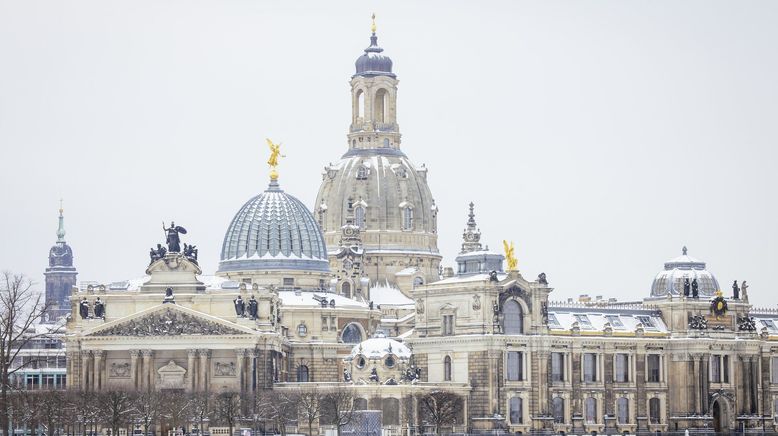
<point x="373" y="26"/>
<point x="684" y="250"/>
<point x="61" y="229"/>
<point x="275" y="152"/>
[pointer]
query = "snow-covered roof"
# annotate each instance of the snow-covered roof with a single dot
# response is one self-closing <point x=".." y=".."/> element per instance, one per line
<point x="307" y="299"/>
<point x="594" y="319"/>
<point x="380" y="347"/>
<point x="388" y="295"/>
<point x="407" y="271"/>
<point x="470" y="278"/>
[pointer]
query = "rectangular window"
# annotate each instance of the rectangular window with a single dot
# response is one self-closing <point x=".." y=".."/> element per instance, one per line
<point x="583" y="322"/>
<point x="32" y="381"/>
<point x="517" y="414"/>
<point x="652" y="368"/>
<point x="288" y="281"/>
<point x="621" y="373"/>
<point x="615" y="321"/>
<point x="590" y="367"/>
<point x="48" y="381"/>
<point x="60" y="380"/>
<point x="448" y="325"/>
<point x="725" y="369"/>
<point x="715" y="369"/>
<point x="557" y="367"/>
<point x="653" y="411"/>
<point x="515" y="366"/>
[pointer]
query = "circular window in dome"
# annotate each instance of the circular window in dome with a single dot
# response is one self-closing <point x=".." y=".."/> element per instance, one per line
<point x="389" y="362"/>
<point x="361" y="362"/>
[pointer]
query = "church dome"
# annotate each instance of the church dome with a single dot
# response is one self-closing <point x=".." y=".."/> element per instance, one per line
<point x="670" y="281"/>
<point x="273" y="231"/>
<point x="373" y="62"/>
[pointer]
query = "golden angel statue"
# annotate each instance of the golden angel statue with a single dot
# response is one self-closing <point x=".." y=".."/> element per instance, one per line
<point x="275" y="151"/>
<point x="510" y="256"/>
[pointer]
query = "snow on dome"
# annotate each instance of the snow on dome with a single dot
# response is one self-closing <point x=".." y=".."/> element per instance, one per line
<point x="274" y="231"/>
<point x="670" y="281"/>
<point x="379" y="347"/>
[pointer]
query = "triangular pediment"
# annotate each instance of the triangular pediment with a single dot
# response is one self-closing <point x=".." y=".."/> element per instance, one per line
<point x="169" y="320"/>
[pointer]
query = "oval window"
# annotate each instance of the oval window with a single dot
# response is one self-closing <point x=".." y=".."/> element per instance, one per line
<point x="389" y="361"/>
<point x="361" y="362"/>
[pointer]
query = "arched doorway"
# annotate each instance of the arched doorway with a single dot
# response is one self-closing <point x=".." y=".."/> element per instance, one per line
<point x="720" y="418"/>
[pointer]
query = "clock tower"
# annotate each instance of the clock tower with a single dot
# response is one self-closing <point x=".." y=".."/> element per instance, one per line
<point x="60" y="275"/>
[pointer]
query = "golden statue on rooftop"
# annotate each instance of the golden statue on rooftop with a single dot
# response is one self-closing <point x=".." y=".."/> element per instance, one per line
<point x="275" y="152"/>
<point x="510" y="257"/>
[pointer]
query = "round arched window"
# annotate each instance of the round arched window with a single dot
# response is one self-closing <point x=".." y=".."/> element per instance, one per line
<point x="302" y="330"/>
<point x="513" y="323"/>
<point x="351" y="334"/>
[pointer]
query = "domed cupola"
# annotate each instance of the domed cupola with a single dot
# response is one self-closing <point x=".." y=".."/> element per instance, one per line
<point x="274" y="231"/>
<point x="373" y="62"/>
<point x="378" y="188"/>
<point x="671" y="280"/>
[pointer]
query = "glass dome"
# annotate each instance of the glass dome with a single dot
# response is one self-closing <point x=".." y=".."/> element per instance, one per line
<point x="670" y="281"/>
<point x="273" y="231"/>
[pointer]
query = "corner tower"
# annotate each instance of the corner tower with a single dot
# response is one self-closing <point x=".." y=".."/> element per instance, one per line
<point x="60" y="275"/>
<point x="378" y="189"/>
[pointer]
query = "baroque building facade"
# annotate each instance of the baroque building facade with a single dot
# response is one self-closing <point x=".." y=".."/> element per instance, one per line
<point x="350" y="295"/>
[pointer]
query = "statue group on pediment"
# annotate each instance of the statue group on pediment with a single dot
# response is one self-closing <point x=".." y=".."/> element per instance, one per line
<point x="173" y="242"/>
<point x="98" y="310"/>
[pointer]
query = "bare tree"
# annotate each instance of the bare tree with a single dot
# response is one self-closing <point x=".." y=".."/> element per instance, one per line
<point x="278" y="407"/>
<point x="226" y="408"/>
<point x="20" y="309"/>
<point x="338" y="407"/>
<point x="309" y="402"/>
<point x="84" y="409"/>
<point x="51" y="409"/>
<point x="115" y="411"/>
<point x="176" y="408"/>
<point x="146" y="407"/>
<point x="199" y="407"/>
<point x="441" y="409"/>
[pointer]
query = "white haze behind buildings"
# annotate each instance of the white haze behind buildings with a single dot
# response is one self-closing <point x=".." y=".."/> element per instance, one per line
<point x="600" y="136"/>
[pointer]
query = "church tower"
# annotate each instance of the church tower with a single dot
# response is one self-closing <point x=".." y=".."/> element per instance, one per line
<point x="378" y="189"/>
<point x="60" y="275"/>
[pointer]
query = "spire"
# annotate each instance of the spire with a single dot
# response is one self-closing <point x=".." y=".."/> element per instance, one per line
<point x="373" y="26"/>
<point x="61" y="229"/>
<point x="471" y="238"/>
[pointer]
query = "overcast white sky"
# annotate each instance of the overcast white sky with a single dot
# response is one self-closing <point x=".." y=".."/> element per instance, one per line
<point x="600" y="136"/>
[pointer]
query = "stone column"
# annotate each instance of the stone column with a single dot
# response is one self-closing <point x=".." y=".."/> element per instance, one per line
<point x="97" y="371"/>
<point x="84" y="370"/>
<point x="696" y="375"/>
<point x="240" y="354"/>
<point x="204" y="364"/>
<point x="147" y="370"/>
<point x="134" y="368"/>
<point x="191" y="354"/>
<point x="745" y="366"/>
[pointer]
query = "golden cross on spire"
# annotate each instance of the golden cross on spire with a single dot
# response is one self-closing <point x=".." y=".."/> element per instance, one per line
<point x="275" y="152"/>
<point x="373" y="27"/>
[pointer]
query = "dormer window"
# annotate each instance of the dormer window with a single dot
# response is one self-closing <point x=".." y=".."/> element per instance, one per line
<point x="647" y="321"/>
<point x="302" y="330"/>
<point x="583" y="322"/>
<point x="362" y="173"/>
